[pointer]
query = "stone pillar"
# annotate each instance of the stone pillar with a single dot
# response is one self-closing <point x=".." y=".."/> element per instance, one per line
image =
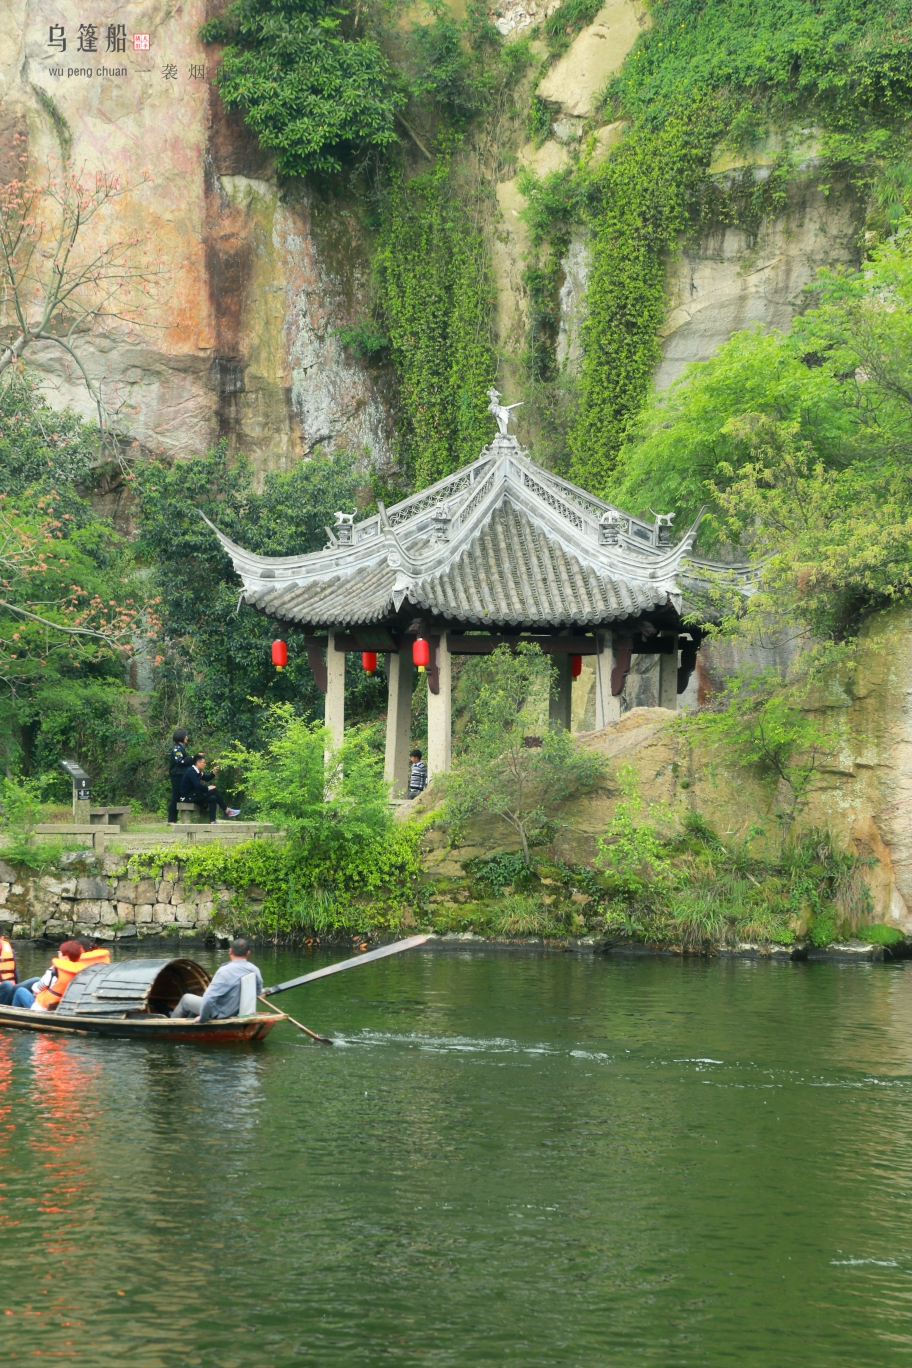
<point x="440" y="713"/>
<point x="399" y="720"/>
<point x="561" y="686"/>
<point x="607" y="707"/>
<point x="668" y="677"/>
<point x="334" y="714"/>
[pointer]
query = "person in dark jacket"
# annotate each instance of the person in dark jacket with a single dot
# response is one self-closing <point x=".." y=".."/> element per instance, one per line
<point x="196" y="788"/>
<point x="181" y="760"/>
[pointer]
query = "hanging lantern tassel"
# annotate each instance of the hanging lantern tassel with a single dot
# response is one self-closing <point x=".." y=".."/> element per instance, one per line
<point x="576" y="666"/>
<point x="421" y="654"/>
<point x="369" y="661"/>
<point x="279" y="655"/>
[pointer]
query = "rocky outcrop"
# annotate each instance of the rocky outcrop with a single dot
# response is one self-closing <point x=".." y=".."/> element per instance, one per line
<point x="732" y="280"/>
<point x="240" y="338"/>
<point x="576" y="80"/>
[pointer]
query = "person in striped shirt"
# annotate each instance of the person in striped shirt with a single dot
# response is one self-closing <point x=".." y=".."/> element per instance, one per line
<point x="418" y="776"/>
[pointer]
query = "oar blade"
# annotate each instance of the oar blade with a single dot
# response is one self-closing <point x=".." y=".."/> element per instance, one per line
<point x="395" y="948"/>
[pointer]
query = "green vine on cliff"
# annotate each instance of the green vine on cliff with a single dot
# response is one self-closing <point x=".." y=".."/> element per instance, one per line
<point x="437" y="293"/>
<point x="702" y="78"/>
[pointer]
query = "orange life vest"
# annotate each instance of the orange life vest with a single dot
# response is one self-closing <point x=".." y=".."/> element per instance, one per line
<point x="99" y="956"/>
<point x="67" y="970"/>
<point x="7" y="962"/>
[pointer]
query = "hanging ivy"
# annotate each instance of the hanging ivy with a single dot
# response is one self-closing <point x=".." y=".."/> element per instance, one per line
<point x="437" y="294"/>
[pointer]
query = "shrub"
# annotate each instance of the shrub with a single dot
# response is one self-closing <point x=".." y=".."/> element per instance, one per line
<point x="881" y="935"/>
<point x="525" y="915"/>
<point x="498" y="775"/>
<point x="344" y="863"/>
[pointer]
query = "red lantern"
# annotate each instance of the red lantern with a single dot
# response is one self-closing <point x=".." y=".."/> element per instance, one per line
<point x="576" y="666"/>
<point x="421" y="654"/>
<point x="369" y="661"/>
<point x="279" y="655"/>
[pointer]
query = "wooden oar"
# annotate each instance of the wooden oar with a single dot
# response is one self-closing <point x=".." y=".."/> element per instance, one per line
<point x="324" y="1040"/>
<point x="396" y="948"/>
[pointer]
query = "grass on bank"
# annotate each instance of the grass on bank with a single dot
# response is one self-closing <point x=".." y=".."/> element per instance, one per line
<point x="684" y="887"/>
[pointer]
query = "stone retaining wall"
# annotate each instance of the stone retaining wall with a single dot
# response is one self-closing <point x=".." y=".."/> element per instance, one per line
<point x="93" y="897"/>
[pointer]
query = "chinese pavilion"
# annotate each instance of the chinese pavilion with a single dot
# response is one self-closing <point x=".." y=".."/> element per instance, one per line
<point x="502" y="551"/>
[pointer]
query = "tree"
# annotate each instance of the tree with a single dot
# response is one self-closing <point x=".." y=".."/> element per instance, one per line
<point x="214" y="663"/>
<point x="333" y="805"/>
<point x="499" y="773"/>
<point x="72" y="612"/>
<point x="802" y="445"/>
<point x="313" y="84"/>
<point x="63" y="280"/>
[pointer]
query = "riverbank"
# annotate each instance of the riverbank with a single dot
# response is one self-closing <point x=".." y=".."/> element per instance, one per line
<point x="801" y="911"/>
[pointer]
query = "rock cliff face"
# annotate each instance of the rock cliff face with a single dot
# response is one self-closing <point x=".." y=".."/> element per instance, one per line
<point x="242" y="341"/>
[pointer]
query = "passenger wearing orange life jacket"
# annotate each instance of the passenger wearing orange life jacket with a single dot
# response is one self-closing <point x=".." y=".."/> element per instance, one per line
<point x="92" y="952"/>
<point x="51" y="987"/>
<point x="7" y="961"/>
<point x="9" y="974"/>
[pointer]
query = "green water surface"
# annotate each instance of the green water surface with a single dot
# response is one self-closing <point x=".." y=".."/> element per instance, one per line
<point x="529" y="1159"/>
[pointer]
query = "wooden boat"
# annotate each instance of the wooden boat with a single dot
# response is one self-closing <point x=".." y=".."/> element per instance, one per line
<point x="133" y="998"/>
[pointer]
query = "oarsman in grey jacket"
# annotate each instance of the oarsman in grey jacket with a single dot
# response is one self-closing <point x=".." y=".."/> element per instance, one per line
<point x="223" y="996"/>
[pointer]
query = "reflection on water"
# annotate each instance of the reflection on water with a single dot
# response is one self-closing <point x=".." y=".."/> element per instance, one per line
<point x="530" y="1160"/>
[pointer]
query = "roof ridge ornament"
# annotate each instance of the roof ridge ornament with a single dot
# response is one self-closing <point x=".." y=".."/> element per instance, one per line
<point x="663" y="523"/>
<point x="501" y="411"/>
<point x="610" y="527"/>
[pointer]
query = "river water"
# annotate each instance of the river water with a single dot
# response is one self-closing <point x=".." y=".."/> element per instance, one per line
<point x="529" y="1159"/>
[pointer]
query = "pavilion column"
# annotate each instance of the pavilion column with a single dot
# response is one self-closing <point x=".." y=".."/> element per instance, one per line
<point x="440" y="713"/>
<point x="668" y="677"/>
<point x="607" y="705"/>
<point x="398" y="720"/>
<point x="334" y="714"/>
<point x="561" y="692"/>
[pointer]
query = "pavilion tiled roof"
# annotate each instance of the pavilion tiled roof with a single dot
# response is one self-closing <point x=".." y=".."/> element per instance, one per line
<point x="502" y="544"/>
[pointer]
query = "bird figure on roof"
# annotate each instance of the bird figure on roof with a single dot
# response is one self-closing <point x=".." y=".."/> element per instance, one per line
<point x="501" y="411"/>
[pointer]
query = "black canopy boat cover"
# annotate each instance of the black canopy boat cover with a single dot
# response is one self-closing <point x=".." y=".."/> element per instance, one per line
<point x="134" y="998"/>
<point x="131" y="987"/>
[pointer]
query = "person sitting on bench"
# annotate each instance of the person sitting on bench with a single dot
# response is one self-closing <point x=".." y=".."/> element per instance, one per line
<point x="195" y="788"/>
<point x="223" y="996"/>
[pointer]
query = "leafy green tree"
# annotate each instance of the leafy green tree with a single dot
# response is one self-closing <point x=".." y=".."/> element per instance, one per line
<point x="332" y="805"/>
<point x="801" y="443"/>
<point x="498" y="774"/>
<point x="72" y="612"/>
<point x="312" y="81"/>
<point x="214" y="665"/>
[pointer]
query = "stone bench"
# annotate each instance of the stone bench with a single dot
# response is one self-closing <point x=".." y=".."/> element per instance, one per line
<point x="109" y="816"/>
<point x="190" y="813"/>
<point x="72" y="829"/>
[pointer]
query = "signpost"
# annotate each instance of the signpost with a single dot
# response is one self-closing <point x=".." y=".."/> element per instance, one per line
<point x="81" y="787"/>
